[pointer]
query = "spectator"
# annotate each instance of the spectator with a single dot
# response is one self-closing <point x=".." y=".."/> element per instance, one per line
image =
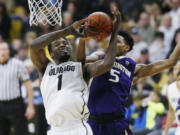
<point x="16" y="45"/>
<point x="144" y="57"/>
<point x="139" y="45"/>
<point x="136" y="114"/>
<point x="175" y="13"/>
<point x="5" y="22"/>
<point x="23" y="53"/>
<point x="67" y="19"/>
<point x="12" y="111"/>
<point x="9" y="4"/>
<point x="154" y="109"/>
<point x="157" y="50"/>
<point x="154" y="12"/>
<point x="73" y="8"/>
<point x="147" y="31"/>
<point x="29" y="37"/>
<point x="17" y="24"/>
<point x="156" y="15"/>
<point x="168" y="30"/>
<point x="175" y="40"/>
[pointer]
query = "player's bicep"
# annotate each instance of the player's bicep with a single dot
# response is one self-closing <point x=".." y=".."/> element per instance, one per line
<point x="39" y="60"/>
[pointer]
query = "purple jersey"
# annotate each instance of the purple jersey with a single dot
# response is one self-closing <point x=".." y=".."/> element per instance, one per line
<point x="109" y="92"/>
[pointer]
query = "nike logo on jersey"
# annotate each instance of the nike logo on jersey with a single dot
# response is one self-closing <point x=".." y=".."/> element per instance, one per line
<point x="60" y="70"/>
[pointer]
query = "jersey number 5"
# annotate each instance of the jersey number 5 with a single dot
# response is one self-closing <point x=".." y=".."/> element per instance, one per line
<point x="115" y="75"/>
<point x="59" y="82"/>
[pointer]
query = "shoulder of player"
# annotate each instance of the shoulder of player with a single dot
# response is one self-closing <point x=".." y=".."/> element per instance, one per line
<point x="126" y="58"/>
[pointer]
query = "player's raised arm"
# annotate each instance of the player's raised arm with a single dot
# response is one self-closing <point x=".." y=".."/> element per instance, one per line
<point x="102" y="66"/>
<point x="46" y="39"/>
<point x="81" y="51"/>
<point x="157" y="67"/>
<point x="37" y="47"/>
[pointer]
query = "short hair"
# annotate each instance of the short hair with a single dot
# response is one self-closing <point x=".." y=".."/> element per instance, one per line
<point x="127" y="37"/>
<point x="159" y="34"/>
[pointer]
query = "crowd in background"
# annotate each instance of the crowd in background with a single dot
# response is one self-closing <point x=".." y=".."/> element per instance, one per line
<point x="154" y="26"/>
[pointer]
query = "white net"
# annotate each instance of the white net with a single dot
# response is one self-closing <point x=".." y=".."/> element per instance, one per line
<point x="45" y="12"/>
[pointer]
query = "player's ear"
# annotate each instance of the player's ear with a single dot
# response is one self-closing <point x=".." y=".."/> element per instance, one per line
<point x="127" y="48"/>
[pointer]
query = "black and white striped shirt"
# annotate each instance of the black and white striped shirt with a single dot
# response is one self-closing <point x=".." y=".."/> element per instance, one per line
<point x="11" y="74"/>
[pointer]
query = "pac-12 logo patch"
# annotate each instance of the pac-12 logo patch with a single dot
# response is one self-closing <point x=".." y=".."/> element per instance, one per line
<point x="127" y="63"/>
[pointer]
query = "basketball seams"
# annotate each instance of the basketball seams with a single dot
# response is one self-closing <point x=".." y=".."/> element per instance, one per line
<point x="101" y="22"/>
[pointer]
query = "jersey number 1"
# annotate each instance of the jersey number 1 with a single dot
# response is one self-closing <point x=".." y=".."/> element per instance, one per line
<point x="59" y="82"/>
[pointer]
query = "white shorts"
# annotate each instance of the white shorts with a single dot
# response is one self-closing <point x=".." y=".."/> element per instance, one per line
<point x="79" y="129"/>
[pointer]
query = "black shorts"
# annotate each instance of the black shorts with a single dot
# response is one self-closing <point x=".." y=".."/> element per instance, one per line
<point x="12" y="114"/>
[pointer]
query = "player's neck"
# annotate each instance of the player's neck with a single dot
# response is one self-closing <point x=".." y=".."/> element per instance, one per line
<point x="60" y="61"/>
<point x="121" y="54"/>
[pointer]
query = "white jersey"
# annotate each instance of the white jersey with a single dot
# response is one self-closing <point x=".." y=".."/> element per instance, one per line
<point x="173" y="94"/>
<point x="65" y="94"/>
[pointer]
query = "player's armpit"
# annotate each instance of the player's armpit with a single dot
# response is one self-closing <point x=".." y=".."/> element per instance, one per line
<point x="39" y="60"/>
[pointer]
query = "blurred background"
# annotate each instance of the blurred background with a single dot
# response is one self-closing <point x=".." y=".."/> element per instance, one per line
<point x="153" y="24"/>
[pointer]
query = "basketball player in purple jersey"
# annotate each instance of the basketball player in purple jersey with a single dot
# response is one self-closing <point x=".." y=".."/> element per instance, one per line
<point x="109" y="92"/>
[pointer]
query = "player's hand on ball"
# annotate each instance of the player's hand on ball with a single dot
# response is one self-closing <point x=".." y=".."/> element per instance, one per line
<point x="30" y="112"/>
<point x="83" y="25"/>
<point x="78" y="24"/>
<point x="90" y="31"/>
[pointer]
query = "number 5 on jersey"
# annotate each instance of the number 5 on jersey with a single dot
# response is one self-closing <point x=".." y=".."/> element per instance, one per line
<point x="114" y="75"/>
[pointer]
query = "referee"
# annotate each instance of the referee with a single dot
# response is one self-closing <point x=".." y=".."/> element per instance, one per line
<point x="12" y="109"/>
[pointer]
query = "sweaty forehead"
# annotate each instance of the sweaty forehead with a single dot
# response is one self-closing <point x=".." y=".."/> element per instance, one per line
<point x="59" y="41"/>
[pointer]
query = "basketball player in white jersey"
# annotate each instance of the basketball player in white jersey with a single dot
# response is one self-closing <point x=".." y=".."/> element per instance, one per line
<point x="173" y="96"/>
<point x="63" y="84"/>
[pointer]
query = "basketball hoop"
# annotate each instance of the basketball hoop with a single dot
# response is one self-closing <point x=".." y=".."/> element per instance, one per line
<point x="45" y="12"/>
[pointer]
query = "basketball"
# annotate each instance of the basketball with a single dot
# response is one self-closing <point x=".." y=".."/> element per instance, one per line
<point x="100" y="21"/>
